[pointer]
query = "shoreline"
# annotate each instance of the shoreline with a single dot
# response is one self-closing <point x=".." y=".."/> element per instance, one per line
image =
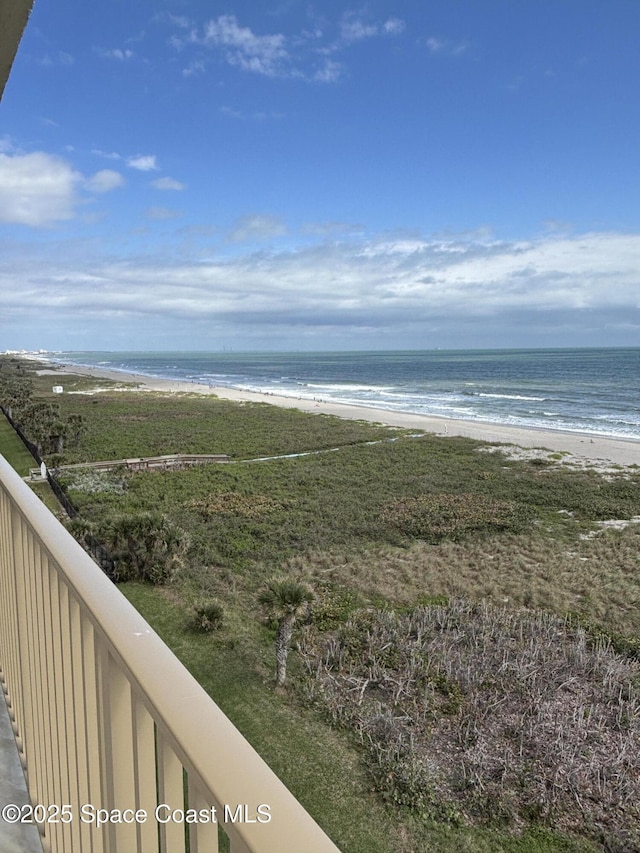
<point x="590" y="447"/>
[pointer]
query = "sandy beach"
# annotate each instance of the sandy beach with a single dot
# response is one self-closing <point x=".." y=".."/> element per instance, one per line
<point x="597" y="451"/>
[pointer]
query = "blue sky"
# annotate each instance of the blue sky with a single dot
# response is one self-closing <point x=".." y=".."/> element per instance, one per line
<point x="182" y="174"/>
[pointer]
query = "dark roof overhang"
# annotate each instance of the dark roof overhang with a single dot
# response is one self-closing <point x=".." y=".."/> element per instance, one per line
<point x="14" y="15"/>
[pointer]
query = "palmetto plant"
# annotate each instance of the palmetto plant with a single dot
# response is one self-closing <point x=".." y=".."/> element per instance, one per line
<point x="285" y="599"/>
<point x="146" y="546"/>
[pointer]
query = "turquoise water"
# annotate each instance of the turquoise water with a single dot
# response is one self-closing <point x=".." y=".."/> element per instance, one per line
<point x="582" y="390"/>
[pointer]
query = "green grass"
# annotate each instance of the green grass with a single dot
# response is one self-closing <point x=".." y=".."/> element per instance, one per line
<point x="22" y="461"/>
<point x="125" y="425"/>
<point x="14" y="450"/>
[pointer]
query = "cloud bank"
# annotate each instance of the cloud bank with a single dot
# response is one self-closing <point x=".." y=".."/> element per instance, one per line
<point x="395" y="289"/>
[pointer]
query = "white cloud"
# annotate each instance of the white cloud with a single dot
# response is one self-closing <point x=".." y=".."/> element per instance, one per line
<point x="37" y="189"/>
<point x="167" y="184"/>
<point x="143" y="163"/>
<point x="255" y="227"/>
<point x="161" y="213"/>
<point x="116" y="53"/>
<point x="329" y="71"/>
<point x="262" y="54"/>
<point x="104" y="181"/>
<point x="179" y="20"/>
<point x="445" y="47"/>
<point x="331" y="229"/>
<point x="197" y="66"/>
<point x="394" y="26"/>
<point x="107" y="155"/>
<point x="353" y="28"/>
<point x="279" y="56"/>
<point x="60" y="58"/>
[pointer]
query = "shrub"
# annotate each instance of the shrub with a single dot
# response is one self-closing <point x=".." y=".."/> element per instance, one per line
<point x="146" y="546"/>
<point x="208" y="615"/>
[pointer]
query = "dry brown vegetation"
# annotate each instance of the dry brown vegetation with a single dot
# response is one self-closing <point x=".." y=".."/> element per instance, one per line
<point x="235" y="504"/>
<point x="488" y="715"/>
<point x="438" y="516"/>
<point x="597" y="578"/>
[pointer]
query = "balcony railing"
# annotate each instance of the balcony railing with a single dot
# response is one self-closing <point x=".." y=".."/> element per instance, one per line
<point x="106" y="717"/>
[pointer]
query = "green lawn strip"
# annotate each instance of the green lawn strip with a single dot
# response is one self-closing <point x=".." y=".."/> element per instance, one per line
<point x="22" y="461"/>
<point x="14" y="450"/>
<point x="46" y="495"/>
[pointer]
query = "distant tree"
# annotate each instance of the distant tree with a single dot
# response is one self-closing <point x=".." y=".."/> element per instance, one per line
<point x="15" y="394"/>
<point x="75" y="427"/>
<point x="42" y="423"/>
<point x="285" y="600"/>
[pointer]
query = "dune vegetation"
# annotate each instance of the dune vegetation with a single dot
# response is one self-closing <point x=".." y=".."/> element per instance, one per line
<point x="464" y="674"/>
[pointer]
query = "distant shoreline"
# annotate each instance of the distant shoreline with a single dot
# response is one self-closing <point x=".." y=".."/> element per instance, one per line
<point x="588" y="446"/>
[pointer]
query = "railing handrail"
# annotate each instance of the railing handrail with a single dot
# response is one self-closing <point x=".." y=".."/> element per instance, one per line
<point x="213" y="752"/>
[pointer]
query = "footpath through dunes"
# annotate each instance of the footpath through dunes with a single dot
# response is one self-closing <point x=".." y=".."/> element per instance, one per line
<point x="187" y="460"/>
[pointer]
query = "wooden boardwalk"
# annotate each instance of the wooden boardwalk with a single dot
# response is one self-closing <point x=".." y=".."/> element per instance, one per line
<point x="142" y="463"/>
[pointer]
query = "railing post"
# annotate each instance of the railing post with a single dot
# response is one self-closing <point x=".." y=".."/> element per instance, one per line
<point x="203" y="837"/>
<point x="10" y="635"/>
<point x="79" y="710"/>
<point x="24" y="694"/>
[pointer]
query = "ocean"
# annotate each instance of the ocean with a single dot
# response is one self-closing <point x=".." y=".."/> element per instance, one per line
<point x="578" y="390"/>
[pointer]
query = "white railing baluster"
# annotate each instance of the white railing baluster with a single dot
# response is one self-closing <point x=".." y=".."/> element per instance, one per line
<point x="145" y="775"/>
<point x="203" y="837"/>
<point x="170" y="797"/>
<point x="79" y="703"/>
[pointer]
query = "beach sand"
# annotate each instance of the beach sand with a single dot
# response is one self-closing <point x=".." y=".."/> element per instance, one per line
<point x="586" y="450"/>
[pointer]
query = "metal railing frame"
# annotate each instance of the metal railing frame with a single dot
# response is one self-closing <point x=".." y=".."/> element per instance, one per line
<point x="106" y="716"/>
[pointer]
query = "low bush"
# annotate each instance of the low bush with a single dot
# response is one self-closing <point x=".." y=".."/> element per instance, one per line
<point x="235" y="504"/>
<point x="208" y="615"/>
<point x="145" y="546"/>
